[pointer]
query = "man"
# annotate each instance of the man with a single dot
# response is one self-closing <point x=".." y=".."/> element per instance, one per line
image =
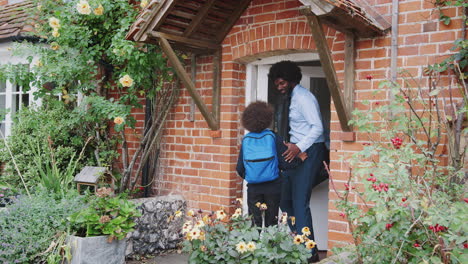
<point x="306" y="135"/>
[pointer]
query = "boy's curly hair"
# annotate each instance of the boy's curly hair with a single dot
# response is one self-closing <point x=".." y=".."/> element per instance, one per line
<point x="257" y="116"/>
<point x="286" y="70"/>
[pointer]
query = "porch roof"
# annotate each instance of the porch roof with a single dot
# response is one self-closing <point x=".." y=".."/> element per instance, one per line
<point x="201" y="25"/>
<point x="15" y="20"/>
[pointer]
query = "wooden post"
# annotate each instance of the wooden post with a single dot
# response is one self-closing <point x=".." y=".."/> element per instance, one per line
<point x="349" y="72"/>
<point x="328" y="68"/>
<point x="182" y="74"/>
<point x="217" y="85"/>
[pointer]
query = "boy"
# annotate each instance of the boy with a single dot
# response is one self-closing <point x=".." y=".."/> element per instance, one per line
<point x="260" y="162"/>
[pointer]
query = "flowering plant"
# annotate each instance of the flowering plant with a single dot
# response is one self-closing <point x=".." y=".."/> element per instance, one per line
<point x="412" y="208"/>
<point x="218" y="238"/>
<point x="106" y="214"/>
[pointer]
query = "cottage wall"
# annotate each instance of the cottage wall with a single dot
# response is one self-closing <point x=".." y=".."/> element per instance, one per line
<point x="200" y="164"/>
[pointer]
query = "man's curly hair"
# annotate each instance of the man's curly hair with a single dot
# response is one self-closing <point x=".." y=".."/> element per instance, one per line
<point x="286" y="70"/>
<point x="257" y="116"/>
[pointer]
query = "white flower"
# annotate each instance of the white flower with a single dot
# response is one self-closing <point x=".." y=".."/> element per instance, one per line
<point x="310" y="244"/>
<point x="144" y="3"/>
<point x="251" y="246"/>
<point x="54" y="23"/>
<point x="220" y="214"/>
<point x="126" y="81"/>
<point x="199" y="224"/>
<point x="298" y="239"/>
<point x="241" y="247"/>
<point x="83" y="7"/>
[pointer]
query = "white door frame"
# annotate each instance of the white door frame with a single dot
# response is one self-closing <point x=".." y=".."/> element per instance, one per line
<point x="257" y="73"/>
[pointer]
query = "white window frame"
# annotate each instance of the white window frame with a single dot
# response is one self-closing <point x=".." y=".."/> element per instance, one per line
<point x="10" y="89"/>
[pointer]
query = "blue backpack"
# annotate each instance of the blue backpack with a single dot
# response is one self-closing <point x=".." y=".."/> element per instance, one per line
<point x="260" y="159"/>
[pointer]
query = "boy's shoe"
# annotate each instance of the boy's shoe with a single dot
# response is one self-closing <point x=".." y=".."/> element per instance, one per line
<point x="314" y="259"/>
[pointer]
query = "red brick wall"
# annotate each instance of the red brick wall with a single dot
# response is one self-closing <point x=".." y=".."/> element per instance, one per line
<point x="202" y="168"/>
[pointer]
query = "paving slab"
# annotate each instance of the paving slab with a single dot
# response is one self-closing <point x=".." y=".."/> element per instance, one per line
<point x="173" y="258"/>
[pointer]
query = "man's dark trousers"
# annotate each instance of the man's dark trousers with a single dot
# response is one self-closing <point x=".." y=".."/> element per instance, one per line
<point x="297" y="188"/>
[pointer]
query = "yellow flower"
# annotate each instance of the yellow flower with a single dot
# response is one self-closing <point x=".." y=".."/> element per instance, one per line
<point x="237" y="213"/>
<point x="293" y="220"/>
<point x="126" y="81"/>
<point x="310" y="244"/>
<point x="251" y="246"/>
<point x="178" y="214"/>
<point x="144" y="3"/>
<point x="258" y="204"/>
<point x="305" y="231"/>
<point x="203" y="248"/>
<point x="190" y="213"/>
<point x="241" y="247"/>
<point x="54" y="46"/>
<point x="83" y="7"/>
<point x="98" y="10"/>
<point x="206" y="219"/>
<point x="55" y="33"/>
<point x="239" y="200"/>
<point x="118" y="120"/>
<point x="220" y="214"/>
<point x="54" y="23"/>
<point x="263" y="207"/>
<point x="298" y="240"/>
<point x="39" y="63"/>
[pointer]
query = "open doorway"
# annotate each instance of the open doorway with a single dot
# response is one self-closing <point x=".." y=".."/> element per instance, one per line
<point x="259" y="88"/>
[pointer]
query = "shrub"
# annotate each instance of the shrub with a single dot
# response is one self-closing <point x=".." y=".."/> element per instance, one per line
<point x="29" y="226"/>
<point x="215" y="238"/>
<point x="411" y="206"/>
<point x="32" y="127"/>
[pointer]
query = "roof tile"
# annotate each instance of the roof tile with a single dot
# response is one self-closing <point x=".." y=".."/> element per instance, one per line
<point x="14" y="20"/>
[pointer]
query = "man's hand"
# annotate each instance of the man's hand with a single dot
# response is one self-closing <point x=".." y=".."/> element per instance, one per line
<point x="291" y="152"/>
<point x="303" y="156"/>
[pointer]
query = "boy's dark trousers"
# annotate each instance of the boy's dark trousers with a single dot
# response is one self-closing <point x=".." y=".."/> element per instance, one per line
<point x="272" y="200"/>
<point x="297" y="188"/>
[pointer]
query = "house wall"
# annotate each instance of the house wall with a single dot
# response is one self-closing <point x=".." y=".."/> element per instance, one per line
<point x="200" y="164"/>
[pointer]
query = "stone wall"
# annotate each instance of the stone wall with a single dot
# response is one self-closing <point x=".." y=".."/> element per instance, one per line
<point x="156" y="229"/>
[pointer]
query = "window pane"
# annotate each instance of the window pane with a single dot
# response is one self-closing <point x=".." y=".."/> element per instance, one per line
<point x="2" y="102"/>
<point x="25" y="99"/>
<point x="2" y="87"/>
<point x="2" y="128"/>
<point x="17" y="88"/>
<point x="15" y="103"/>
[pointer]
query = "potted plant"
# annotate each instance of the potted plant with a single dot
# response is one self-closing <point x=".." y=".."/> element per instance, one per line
<point x="101" y="228"/>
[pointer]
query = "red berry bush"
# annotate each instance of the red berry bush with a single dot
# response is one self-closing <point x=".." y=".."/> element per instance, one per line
<point x="412" y="207"/>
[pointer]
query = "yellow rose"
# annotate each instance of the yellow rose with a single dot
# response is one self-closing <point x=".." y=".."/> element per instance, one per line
<point x="54" y="46"/>
<point x="144" y="3"/>
<point x="99" y="10"/>
<point x="118" y="120"/>
<point x="126" y="81"/>
<point x="54" y="23"/>
<point x="39" y="63"/>
<point x="83" y="7"/>
<point x="55" y="33"/>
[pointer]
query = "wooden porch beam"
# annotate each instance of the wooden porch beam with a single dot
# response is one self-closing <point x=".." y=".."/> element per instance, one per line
<point x="328" y="68"/>
<point x="213" y="123"/>
<point x="187" y="41"/>
<point x="199" y="17"/>
<point x="349" y="72"/>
